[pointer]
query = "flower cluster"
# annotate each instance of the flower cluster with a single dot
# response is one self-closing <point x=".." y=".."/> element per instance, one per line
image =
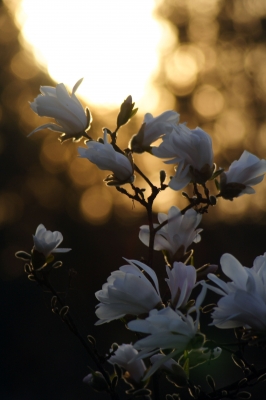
<point x="164" y="316"/>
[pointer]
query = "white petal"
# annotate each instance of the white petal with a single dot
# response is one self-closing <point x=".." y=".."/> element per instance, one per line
<point x="52" y="127"/>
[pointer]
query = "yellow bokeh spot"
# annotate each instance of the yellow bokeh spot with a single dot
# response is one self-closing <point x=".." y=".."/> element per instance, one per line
<point x="82" y="172"/>
<point x="55" y="157"/>
<point x="11" y="207"/>
<point x="230" y="129"/>
<point x="208" y="101"/>
<point x="96" y="204"/>
<point x="182" y="69"/>
<point x="22" y="65"/>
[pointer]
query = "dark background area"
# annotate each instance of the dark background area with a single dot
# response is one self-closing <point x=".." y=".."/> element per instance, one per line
<point x="40" y="358"/>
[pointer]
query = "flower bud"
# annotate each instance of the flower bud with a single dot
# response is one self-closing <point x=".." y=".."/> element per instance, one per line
<point x="96" y="381"/>
<point x="22" y="255"/>
<point x="213" y="200"/>
<point x="162" y="176"/>
<point x="127" y="111"/>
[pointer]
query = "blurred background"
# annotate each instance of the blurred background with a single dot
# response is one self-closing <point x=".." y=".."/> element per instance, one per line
<point x="203" y="58"/>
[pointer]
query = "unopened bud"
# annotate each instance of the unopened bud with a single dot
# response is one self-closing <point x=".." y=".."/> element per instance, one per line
<point x="92" y="340"/>
<point x="57" y="264"/>
<point x="243" y="395"/>
<point x="63" y="312"/>
<point x="96" y="381"/>
<point x="115" y="346"/>
<point x="213" y="200"/>
<point x="127" y="111"/>
<point x="22" y="255"/>
<point x="38" y="260"/>
<point x="162" y="176"/>
<point x="242" y="383"/>
<point x="184" y="194"/>
<point x="210" y="382"/>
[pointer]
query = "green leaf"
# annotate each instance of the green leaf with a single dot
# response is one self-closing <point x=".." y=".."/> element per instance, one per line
<point x="216" y="173"/>
<point x="217" y="184"/>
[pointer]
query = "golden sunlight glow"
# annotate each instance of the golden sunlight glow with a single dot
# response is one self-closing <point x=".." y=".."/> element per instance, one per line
<point x="112" y="44"/>
<point x="96" y="205"/>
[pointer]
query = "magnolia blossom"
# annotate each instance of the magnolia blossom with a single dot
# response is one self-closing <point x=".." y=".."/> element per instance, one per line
<point x="123" y="358"/>
<point x="192" y="150"/>
<point x="152" y="129"/>
<point x="168" y="329"/>
<point x="106" y="158"/>
<point x="46" y="242"/>
<point x="243" y="302"/>
<point x="181" y="280"/>
<point x="248" y="171"/>
<point x="179" y="232"/>
<point x="128" y="291"/>
<point x="64" y="108"/>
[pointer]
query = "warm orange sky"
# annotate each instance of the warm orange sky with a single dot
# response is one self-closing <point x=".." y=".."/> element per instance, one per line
<point x="114" y="45"/>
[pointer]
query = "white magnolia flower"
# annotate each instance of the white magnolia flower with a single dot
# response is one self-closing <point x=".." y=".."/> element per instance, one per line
<point x="46" y="242"/>
<point x="168" y="329"/>
<point x="152" y="129"/>
<point x="64" y="108"/>
<point x="128" y="291"/>
<point x="192" y="150"/>
<point x="243" y="302"/>
<point x="181" y="280"/>
<point x="106" y="158"/>
<point x="179" y="232"/>
<point x="248" y="171"/>
<point x="123" y="358"/>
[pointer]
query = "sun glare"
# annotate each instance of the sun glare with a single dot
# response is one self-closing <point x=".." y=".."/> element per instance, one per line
<point x="112" y="44"/>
